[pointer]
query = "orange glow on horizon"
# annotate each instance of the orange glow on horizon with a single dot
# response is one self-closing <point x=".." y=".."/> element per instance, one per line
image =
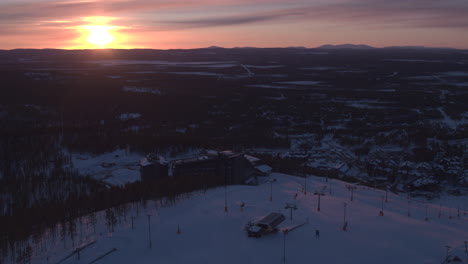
<point x="98" y="33"/>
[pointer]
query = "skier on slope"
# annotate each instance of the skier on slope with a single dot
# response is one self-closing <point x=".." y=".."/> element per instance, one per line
<point x="317" y="233"/>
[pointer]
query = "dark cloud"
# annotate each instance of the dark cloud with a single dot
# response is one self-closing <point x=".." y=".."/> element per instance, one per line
<point x="231" y="20"/>
<point x="414" y="13"/>
<point x="364" y="13"/>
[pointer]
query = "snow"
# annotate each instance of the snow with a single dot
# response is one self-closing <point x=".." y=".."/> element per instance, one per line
<point x="319" y="68"/>
<point x="124" y="170"/>
<point x="456" y="74"/>
<point x="447" y="120"/>
<point x="251" y="159"/>
<point x="249" y="72"/>
<point x="301" y="82"/>
<point x="225" y="65"/>
<point x="181" y="130"/>
<point x="197" y="73"/>
<point x="366" y="106"/>
<point x="208" y="234"/>
<point x="134" y="89"/>
<point x="38" y="76"/>
<point x="129" y="116"/>
<point x="264" y="66"/>
<point x="156" y="62"/>
<point x="315" y="53"/>
<point x="144" y="72"/>
<point x="409" y="60"/>
<point x="267" y="86"/>
<point x="264" y="168"/>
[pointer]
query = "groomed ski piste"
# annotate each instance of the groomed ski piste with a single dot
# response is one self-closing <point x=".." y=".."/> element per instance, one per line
<point x="199" y="230"/>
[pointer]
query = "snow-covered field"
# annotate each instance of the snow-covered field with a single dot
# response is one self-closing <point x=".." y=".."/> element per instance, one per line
<point x="211" y="235"/>
<point x="115" y="168"/>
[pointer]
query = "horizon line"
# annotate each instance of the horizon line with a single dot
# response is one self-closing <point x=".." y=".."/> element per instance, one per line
<point x="322" y="47"/>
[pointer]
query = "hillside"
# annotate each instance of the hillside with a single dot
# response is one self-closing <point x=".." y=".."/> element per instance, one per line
<point x="210" y="235"/>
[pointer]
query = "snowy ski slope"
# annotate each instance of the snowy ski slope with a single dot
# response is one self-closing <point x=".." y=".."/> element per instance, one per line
<point x="208" y="234"/>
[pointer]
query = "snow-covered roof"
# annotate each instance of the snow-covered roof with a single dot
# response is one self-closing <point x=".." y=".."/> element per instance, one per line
<point x="264" y="168"/>
<point x="194" y="159"/>
<point x="145" y="162"/>
<point x="152" y="159"/>
<point x="251" y="159"/>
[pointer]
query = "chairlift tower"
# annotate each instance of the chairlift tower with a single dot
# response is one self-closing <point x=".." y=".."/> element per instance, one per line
<point x="319" y="194"/>
<point x="291" y="207"/>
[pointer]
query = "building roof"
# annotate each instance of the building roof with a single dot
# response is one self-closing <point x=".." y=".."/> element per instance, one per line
<point x="272" y="220"/>
<point x="151" y="159"/>
<point x="251" y="159"/>
<point x="193" y="160"/>
<point x="264" y="168"/>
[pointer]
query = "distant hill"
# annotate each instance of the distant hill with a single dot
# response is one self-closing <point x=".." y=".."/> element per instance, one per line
<point x="346" y="46"/>
<point x="418" y="47"/>
<point x="367" y="47"/>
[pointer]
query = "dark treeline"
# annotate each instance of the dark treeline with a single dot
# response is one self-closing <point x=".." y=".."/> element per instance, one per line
<point x="88" y="197"/>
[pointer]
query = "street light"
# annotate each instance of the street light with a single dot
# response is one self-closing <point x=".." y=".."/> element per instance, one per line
<point x="386" y="194"/>
<point x="351" y="188"/>
<point x="285" y="232"/>
<point x="426" y="219"/>
<point x="381" y="213"/>
<point x="225" y="198"/>
<point x="149" y="230"/>
<point x="345" y="224"/>
<point x="271" y="189"/>
<point x="319" y="194"/>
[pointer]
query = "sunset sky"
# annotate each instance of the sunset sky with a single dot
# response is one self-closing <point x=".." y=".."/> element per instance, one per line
<point x="166" y="24"/>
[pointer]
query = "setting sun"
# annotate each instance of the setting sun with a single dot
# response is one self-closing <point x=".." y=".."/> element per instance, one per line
<point x="99" y="35"/>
